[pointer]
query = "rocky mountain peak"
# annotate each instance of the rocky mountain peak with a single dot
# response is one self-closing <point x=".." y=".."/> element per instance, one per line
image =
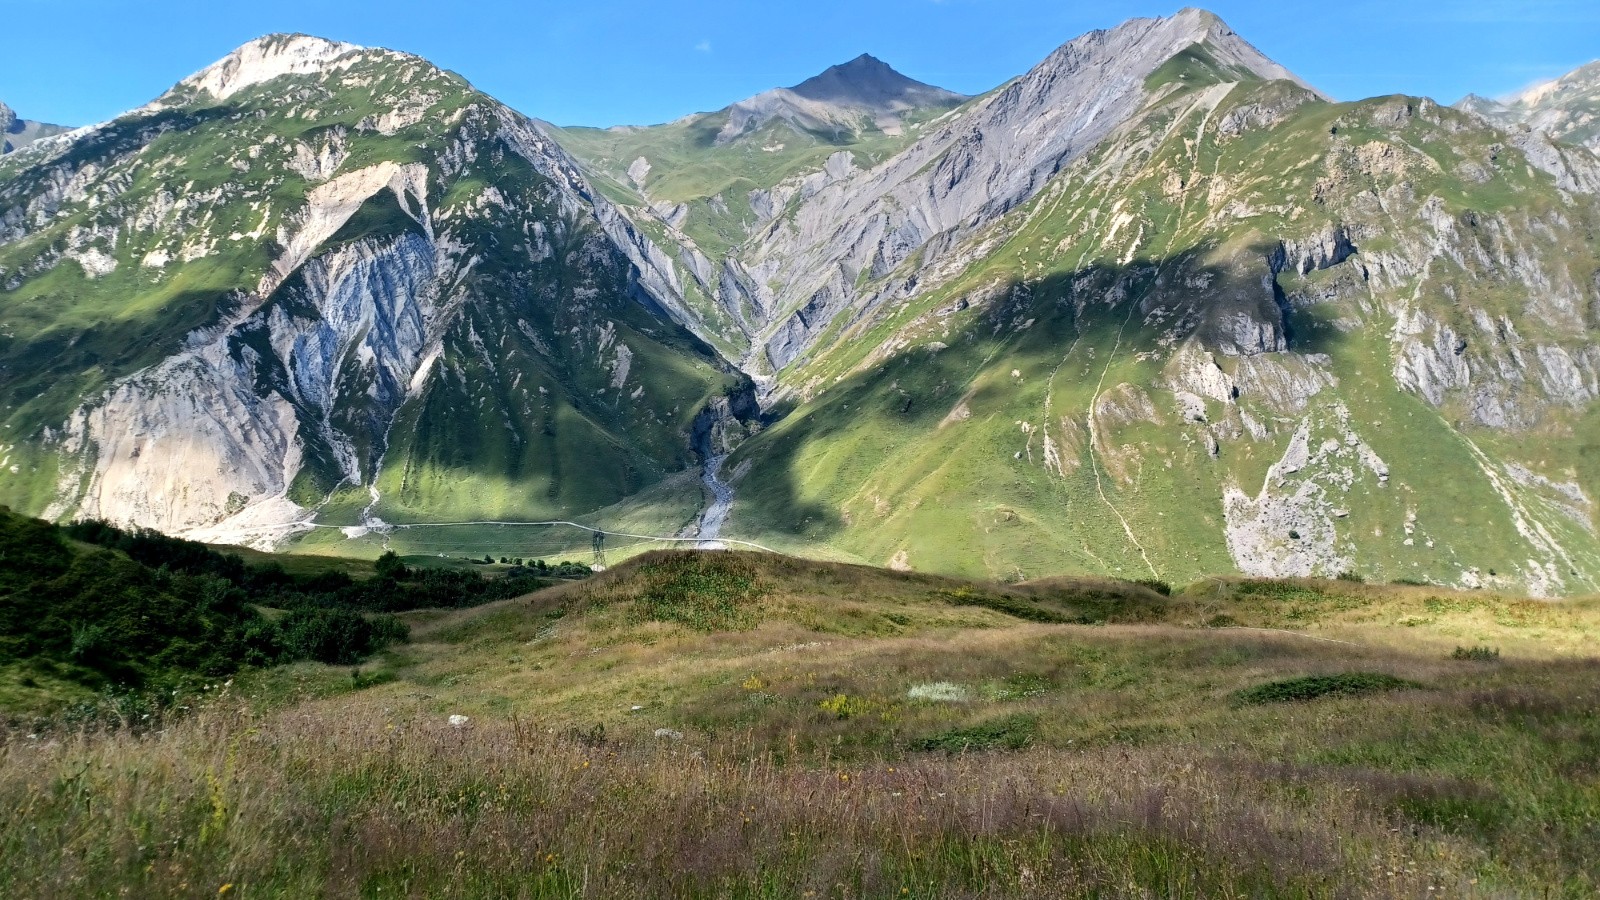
<point x="1564" y="109"/>
<point x="269" y="57"/>
<point x="1582" y="80"/>
<point x="838" y="99"/>
<point x="867" y="82"/>
<point x="1152" y="42"/>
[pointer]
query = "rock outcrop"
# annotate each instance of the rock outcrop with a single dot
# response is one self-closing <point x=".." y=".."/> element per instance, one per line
<point x="17" y="132"/>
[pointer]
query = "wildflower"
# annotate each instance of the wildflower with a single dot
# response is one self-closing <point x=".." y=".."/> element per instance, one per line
<point x="459" y="721"/>
<point x="225" y="888"/>
<point x="939" y="692"/>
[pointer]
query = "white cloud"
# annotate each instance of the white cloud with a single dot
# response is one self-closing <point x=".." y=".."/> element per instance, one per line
<point x="703" y="47"/>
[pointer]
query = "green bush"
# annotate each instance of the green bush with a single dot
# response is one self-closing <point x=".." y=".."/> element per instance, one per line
<point x="1311" y="687"/>
<point x="336" y="636"/>
<point x="390" y="566"/>
<point x="1155" y="584"/>
<point x="705" y="591"/>
<point x="1009" y="733"/>
<point x="155" y="611"/>
<point x="1477" y="654"/>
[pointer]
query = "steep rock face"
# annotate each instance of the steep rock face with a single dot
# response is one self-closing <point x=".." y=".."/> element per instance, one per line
<point x="707" y="185"/>
<point x="264" y="60"/>
<point x="401" y="305"/>
<point x="17" y="132"/>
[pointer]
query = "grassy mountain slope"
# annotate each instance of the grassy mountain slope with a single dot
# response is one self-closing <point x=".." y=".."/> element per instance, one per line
<point x="727" y="725"/>
<point x="688" y="166"/>
<point x="1251" y="329"/>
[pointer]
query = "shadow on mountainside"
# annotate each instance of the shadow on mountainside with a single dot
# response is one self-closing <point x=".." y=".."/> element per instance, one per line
<point x="823" y="451"/>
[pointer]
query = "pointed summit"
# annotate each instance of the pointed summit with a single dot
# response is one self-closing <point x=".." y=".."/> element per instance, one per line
<point x="839" y="99"/>
<point x="870" y="83"/>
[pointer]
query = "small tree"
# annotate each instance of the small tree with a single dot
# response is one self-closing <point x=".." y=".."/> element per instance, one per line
<point x="390" y="566"/>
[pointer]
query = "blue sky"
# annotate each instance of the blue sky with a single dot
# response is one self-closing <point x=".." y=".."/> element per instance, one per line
<point x="603" y="62"/>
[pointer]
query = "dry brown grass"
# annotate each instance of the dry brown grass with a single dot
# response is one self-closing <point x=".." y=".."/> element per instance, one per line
<point x="792" y="767"/>
<point x="350" y="805"/>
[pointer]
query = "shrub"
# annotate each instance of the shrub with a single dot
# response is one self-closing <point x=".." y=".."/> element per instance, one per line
<point x="1009" y="733"/>
<point x="705" y="591"/>
<point x="1155" y="584"/>
<point x="390" y="566"/>
<point x="1477" y="654"/>
<point x="844" y="706"/>
<point x="1311" y="687"/>
<point x="336" y="636"/>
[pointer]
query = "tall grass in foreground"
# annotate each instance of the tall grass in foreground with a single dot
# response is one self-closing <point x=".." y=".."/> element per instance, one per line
<point x="344" y="805"/>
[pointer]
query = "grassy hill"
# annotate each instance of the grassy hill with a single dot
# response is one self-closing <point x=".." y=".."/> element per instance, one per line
<point x="731" y="725"/>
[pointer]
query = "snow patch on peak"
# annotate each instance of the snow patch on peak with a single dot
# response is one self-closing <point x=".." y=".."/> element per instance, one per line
<point x="270" y="57"/>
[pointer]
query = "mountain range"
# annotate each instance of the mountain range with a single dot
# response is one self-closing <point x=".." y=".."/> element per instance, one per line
<point x="1156" y="308"/>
